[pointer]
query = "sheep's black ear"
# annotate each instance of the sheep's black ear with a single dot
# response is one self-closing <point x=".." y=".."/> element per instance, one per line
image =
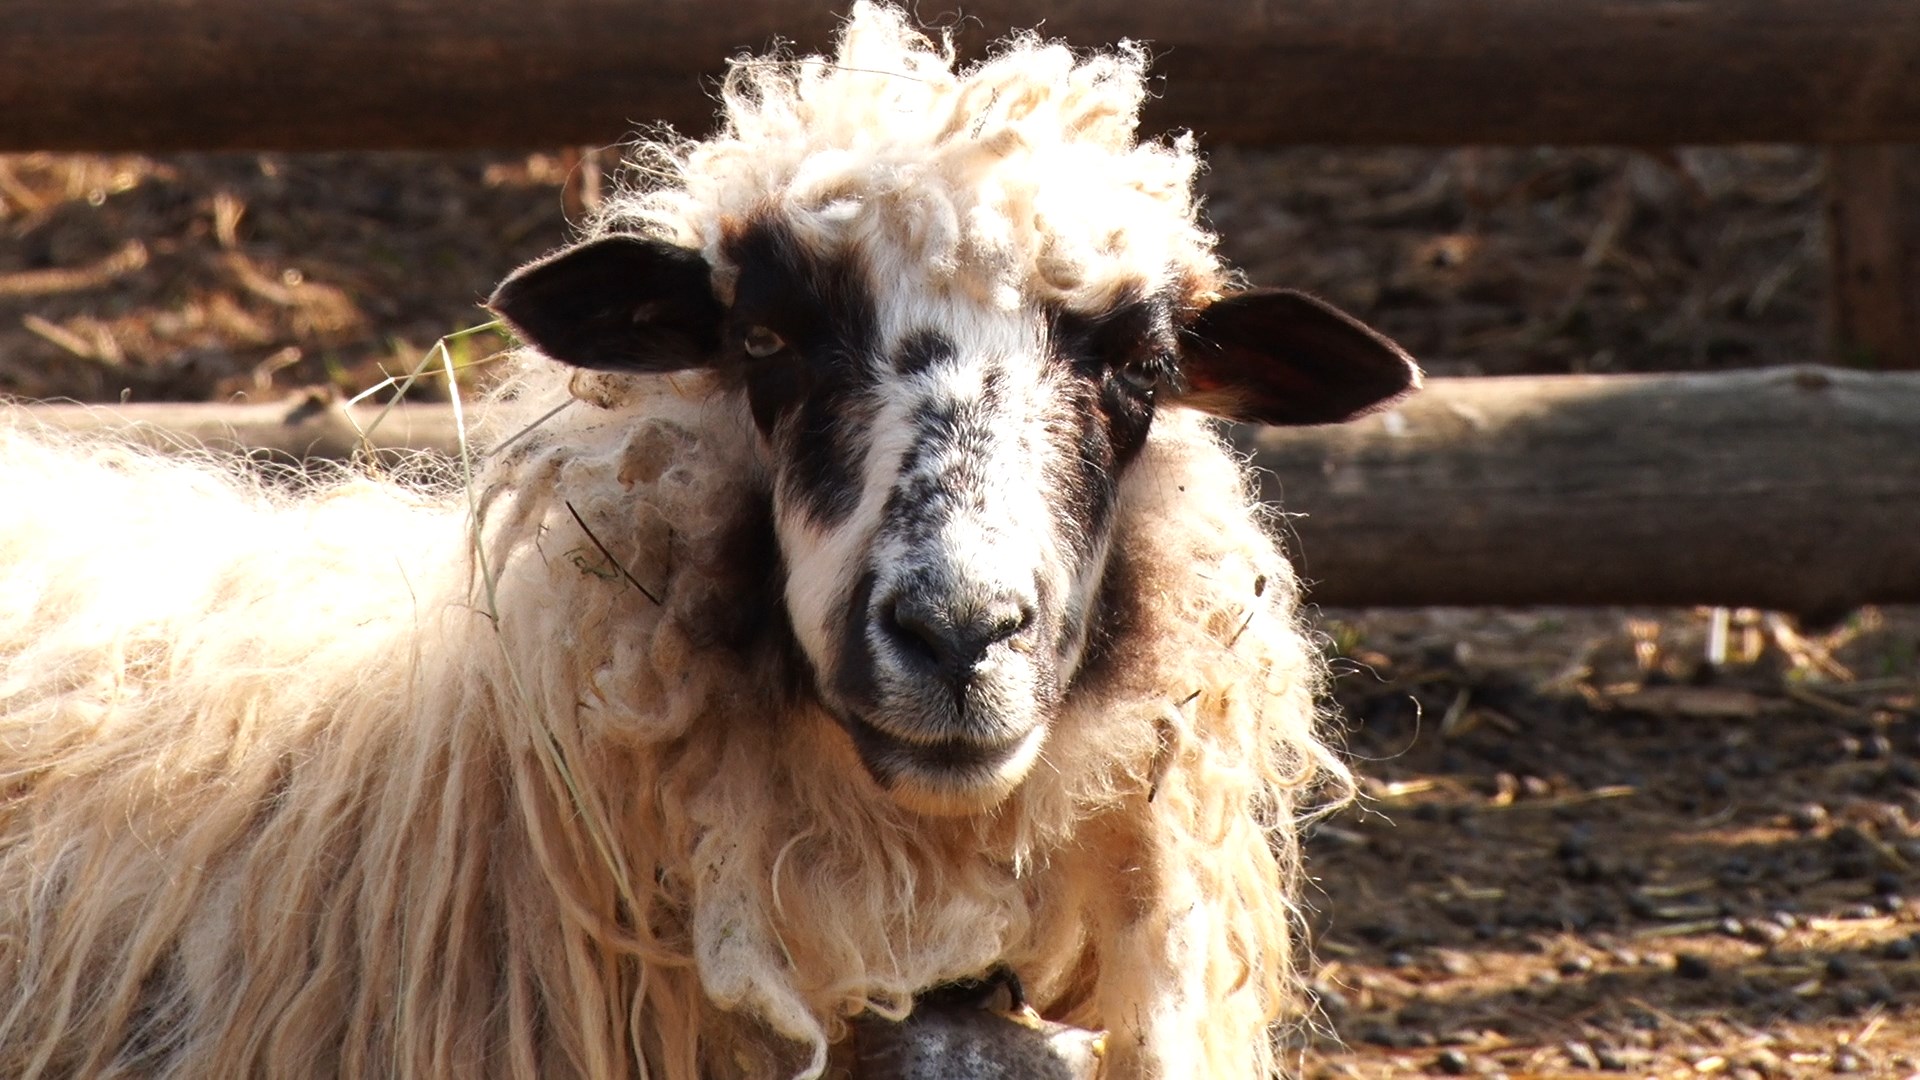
<point x="622" y="303"/>
<point x="1275" y="356"/>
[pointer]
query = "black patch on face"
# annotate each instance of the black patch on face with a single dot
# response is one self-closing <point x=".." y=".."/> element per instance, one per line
<point x="915" y="507"/>
<point x="814" y="394"/>
<point x="855" y="679"/>
<point x="1120" y="352"/>
<point x="929" y="422"/>
<point x="1115" y="611"/>
<point x="943" y="426"/>
<point x="1108" y="362"/>
<point x="921" y="350"/>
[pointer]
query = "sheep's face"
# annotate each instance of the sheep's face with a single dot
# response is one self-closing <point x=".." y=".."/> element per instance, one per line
<point x="944" y="470"/>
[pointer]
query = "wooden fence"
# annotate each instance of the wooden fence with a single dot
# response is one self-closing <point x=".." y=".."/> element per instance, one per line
<point x="1797" y="489"/>
<point x="364" y="74"/>
<point x="1789" y="488"/>
<point x="442" y="74"/>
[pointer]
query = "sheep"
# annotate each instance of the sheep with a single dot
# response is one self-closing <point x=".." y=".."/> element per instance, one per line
<point x="854" y="595"/>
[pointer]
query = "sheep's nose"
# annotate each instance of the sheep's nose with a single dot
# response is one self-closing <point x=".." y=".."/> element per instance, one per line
<point x="952" y="636"/>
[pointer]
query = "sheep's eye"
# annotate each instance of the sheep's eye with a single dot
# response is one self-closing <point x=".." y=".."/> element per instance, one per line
<point x="761" y="342"/>
<point x="1142" y="374"/>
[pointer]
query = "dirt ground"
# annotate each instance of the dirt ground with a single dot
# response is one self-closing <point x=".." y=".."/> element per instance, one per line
<point x="1581" y="845"/>
<point x="1612" y="842"/>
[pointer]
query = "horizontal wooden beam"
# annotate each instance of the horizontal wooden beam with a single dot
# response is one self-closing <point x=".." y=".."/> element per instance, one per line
<point x="1792" y="489"/>
<point x="158" y="75"/>
<point x="306" y="429"/>
<point x="1796" y="489"/>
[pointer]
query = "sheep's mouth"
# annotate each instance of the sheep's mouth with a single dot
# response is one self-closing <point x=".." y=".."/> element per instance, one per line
<point x="950" y="775"/>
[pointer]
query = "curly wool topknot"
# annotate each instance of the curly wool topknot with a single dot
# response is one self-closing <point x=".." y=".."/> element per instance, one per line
<point x="1018" y="179"/>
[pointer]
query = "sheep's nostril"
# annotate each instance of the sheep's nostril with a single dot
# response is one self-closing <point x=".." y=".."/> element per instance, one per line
<point x="914" y="626"/>
<point x="1006" y="619"/>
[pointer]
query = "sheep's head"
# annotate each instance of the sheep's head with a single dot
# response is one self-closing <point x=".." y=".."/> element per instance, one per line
<point x="944" y="472"/>
<point x="951" y="304"/>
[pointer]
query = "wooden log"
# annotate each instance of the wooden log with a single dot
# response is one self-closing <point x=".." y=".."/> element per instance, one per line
<point x="1873" y="220"/>
<point x="307" y="428"/>
<point x="436" y="74"/>
<point x="1793" y="489"/>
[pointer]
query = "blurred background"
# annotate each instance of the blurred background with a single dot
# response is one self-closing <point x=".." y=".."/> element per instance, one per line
<point x="192" y="277"/>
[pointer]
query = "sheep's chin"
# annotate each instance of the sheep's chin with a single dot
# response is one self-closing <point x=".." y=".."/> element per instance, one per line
<point x="936" y="802"/>
<point x="950" y="791"/>
<point x="944" y="797"/>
